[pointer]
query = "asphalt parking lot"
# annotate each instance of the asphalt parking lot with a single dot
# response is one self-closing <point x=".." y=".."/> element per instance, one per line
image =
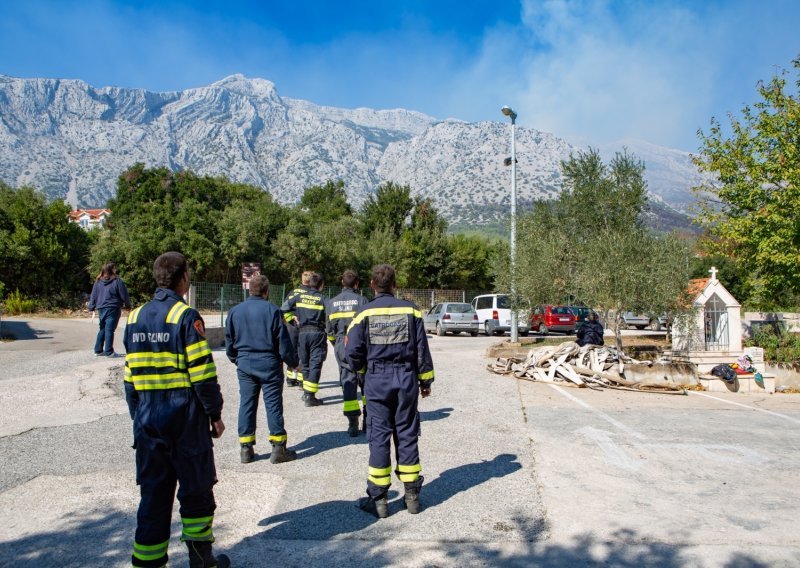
<point x="517" y="473"/>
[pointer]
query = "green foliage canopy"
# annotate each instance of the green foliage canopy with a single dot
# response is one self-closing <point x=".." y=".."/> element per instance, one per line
<point x="42" y="254"/>
<point x="750" y="207"/>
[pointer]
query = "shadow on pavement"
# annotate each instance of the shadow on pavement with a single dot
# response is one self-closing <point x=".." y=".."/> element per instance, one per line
<point x="319" y="443"/>
<point x="21" y="330"/>
<point x="97" y="538"/>
<point x="321" y="521"/>
<point x="623" y="549"/>
<point x="453" y="481"/>
<point x="439" y="414"/>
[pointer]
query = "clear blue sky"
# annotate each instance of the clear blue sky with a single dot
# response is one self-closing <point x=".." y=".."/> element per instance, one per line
<point x="600" y="71"/>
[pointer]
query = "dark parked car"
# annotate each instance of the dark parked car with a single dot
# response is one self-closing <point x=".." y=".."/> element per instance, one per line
<point x="581" y="312"/>
<point x="454" y="317"/>
<point x="553" y="318"/>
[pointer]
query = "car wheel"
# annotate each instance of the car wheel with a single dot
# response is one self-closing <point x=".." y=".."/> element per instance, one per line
<point x="473" y="333"/>
<point x="439" y="331"/>
<point x="542" y="329"/>
<point x="655" y="325"/>
<point x="486" y="331"/>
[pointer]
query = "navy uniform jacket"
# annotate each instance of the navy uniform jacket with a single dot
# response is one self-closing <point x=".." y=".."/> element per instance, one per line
<point x="390" y="330"/>
<point x="341" y="310"/>
<point x="256" y="339"/>
<point x="307" y="305"/>
<point x="170" y="376"/>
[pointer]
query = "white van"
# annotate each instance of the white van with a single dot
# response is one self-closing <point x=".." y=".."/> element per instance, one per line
<point x="494" y="315"/>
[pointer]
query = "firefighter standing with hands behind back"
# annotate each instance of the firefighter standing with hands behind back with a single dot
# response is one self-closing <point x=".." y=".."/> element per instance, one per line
<point x="257" y="341"/>
<point x="309" y="309"/>
<point x="387" y="339"/>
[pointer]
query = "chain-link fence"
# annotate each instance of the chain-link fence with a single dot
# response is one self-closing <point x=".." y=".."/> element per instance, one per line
<point x="214" y="300"/>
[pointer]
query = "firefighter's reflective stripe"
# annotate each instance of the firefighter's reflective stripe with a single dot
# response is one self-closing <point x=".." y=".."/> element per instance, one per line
<point x="340" y="315"/>
<point x="156" y="359"/>
<point x="174" y="315"/>
<point x="310" y="306"/>
<point x="198" y="529"/>
<point x="408" y="473"/>
<point x="197" y="350"/>
<point x="383" y="312"/>
<point x="134" y="315"/>
<point x="202" y="372"/>
<point x="249" y="439"/>
<point x="380" y="475"/>
<point x="426" y="376"/>
<point x="128" y="376"/>
<point x="148" y="552"/>
<point x="161" y="381"/>
<point x="279" y="439"/>
<point x="351" y="405"/>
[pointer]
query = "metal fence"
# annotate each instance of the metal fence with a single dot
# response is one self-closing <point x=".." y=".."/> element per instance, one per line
<point x="212" y="299"/>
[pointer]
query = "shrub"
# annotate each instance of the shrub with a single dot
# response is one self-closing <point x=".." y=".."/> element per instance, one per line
<point x="17" y="304"/>
<point x="779" y="345"/>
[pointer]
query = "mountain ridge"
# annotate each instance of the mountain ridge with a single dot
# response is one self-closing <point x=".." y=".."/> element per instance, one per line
<point x="71" y="141"/>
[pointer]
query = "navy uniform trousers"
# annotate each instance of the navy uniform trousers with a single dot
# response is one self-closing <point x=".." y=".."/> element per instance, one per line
<point x="392" y="392"/>
<point x="312" y="347"/>
<point x="271" y="387"/>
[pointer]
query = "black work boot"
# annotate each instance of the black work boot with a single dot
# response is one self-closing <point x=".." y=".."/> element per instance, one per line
<point x="247" y="454"/>
<point x="352" y="426"/>
<point x="411" y="498"/>
<point x="312" y="400"/>
<point x="201" y="556"/>
<point x="378" y="507"/>
<point x="280" y="454"/>
<point x="292" y="382"/>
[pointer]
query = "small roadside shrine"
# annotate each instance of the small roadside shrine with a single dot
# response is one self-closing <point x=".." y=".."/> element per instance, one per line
<point x="711" y="335"/>
<point x="715" y="323"/>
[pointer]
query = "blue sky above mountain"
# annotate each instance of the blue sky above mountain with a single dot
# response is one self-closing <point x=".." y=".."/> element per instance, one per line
<point x="595" y="71"/>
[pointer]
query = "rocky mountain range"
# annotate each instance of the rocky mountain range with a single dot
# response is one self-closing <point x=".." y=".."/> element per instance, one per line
<point x="71" y="140"/>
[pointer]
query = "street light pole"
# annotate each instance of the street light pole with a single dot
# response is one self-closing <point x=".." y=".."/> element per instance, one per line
<point x="514" y="331"/>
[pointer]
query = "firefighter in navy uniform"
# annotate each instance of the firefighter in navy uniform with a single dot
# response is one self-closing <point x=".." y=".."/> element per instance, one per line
<point x="257" y="341"/>
<point x="294" y="376"/>
<point x="342" y="308"/>
<point x="309" y="309"/>
<point x="176" y="406"/>
<point x="387" y="339"/>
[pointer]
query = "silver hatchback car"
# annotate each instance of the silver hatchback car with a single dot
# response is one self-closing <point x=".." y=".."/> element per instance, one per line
<point x="455" y="317"/>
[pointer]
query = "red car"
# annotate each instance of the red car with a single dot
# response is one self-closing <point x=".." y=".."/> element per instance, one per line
<point x="552" y="318"/>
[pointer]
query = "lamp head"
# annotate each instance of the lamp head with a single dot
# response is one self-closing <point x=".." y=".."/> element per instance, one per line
<point x="506" y="110"/>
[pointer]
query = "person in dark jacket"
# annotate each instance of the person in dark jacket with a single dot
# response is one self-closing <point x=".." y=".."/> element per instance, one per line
<point x="257" y="341"/>
<point x="387" y="340"/>
<point x="341" y="310"/>
<point x="309" y="309"/>
<point x="591" y="332"/>
<point x="109" y="296"/>
<point x="176" y="405"/>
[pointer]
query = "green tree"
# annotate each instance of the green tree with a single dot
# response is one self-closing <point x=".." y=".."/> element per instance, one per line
<point x="326" y="202"/>
<point x="42" y="254"/>
<point x="591" y="246"/>
<point x="156" y="210"/>
<point x="390" y="206"/>
<point x="750" y="203"/>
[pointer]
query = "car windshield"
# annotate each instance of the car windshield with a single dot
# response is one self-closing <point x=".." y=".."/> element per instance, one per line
<point x="459" y="308"/>
<point x="561" y="310"/>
